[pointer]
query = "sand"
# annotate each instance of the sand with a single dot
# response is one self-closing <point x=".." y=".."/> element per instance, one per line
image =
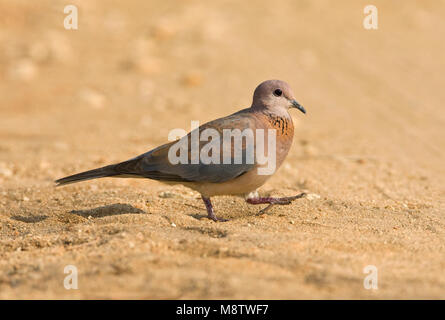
<point x="370" y="151"/>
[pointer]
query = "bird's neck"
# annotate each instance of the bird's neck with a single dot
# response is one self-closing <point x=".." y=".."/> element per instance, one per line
<point x="275" y="113"/>
<point x="279" y="120"/>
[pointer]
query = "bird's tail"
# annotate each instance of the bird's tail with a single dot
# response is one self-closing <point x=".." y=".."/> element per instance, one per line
<point x="107" y="171"/>
<point x="123" y="169"/>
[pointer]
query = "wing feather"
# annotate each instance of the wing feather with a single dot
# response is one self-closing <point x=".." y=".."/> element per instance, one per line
<point x="155" y="164"/>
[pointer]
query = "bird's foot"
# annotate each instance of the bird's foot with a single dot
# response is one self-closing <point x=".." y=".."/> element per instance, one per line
<point x="210" y="214"/>
<point x="273" y="201"/>
<point x="216" y="219"/>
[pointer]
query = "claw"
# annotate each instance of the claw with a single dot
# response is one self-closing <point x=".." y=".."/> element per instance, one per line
<point x="274" y="201"/>
<point x="216" y="219"/>
<point x="263" y="211"/>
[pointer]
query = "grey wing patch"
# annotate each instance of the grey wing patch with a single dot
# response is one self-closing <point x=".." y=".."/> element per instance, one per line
<point x="155" y="164"/>
<point x="199" y="173"/>
<point x="222" y="172"/>
<point x="151" y="167"/>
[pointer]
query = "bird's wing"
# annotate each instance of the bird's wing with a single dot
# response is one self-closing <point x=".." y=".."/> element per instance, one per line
<point x="155" y="164"/>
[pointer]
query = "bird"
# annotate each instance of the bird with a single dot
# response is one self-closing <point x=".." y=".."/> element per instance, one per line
<point x="236" y="169"/>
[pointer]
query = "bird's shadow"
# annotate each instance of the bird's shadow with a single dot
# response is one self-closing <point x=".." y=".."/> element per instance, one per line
<point x="29" y="219"/>
<point x="108" y="210"/>
<point x="197" y="216"/>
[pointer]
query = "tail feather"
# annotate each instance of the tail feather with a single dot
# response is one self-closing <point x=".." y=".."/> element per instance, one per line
<point x="107" y="171"/>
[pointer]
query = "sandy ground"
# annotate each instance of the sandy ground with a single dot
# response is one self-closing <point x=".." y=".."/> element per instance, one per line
<point x="370" y="149"/>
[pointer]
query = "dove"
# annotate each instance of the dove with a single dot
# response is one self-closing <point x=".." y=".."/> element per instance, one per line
<point x="232" y="162"/>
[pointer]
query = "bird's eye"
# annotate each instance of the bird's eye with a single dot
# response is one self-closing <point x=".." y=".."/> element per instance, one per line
<point x="278" y="93"/>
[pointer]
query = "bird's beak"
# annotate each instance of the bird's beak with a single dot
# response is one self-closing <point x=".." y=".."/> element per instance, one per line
<point x="295" y="104"/>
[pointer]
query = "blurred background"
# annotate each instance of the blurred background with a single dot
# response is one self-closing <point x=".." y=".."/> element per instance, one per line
<point x="371" y="146"/>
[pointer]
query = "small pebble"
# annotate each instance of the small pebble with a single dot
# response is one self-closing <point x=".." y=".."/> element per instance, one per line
<point x="24" y="70"/>
<point x="192" y="80"/>
<point x="93" y="98"/>
<point x="5" y="171"/>
<point x="167" y="195"/>
<point x="312" y="196"/>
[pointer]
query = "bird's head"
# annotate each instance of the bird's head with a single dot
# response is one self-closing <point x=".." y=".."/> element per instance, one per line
<point x="275" y="95"/>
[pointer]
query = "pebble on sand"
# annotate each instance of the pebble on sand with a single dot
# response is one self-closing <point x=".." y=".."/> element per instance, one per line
<point x="312" y="196"/>
<point x="23" y="70"/>
<point x="167" y="195"/>
<point x="93" y="98"/>
<point x="148" y="65"/>
<point x="192" y="79"/>
<point x="5" y="171"/>
<point x="164" y="30"/>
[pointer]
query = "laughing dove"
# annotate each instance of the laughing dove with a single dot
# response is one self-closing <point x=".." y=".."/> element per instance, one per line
<point x="217" y="166"/>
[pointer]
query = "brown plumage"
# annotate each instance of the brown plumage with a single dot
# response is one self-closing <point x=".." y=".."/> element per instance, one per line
<point x="269" y="110"/>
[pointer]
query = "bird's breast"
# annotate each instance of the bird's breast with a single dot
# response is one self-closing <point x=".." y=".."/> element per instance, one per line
<point x="282" y="125"/>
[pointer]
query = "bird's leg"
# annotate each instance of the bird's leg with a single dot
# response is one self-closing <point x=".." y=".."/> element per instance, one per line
<point x="271" y="201"/>
<point x="210" y="214"/>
